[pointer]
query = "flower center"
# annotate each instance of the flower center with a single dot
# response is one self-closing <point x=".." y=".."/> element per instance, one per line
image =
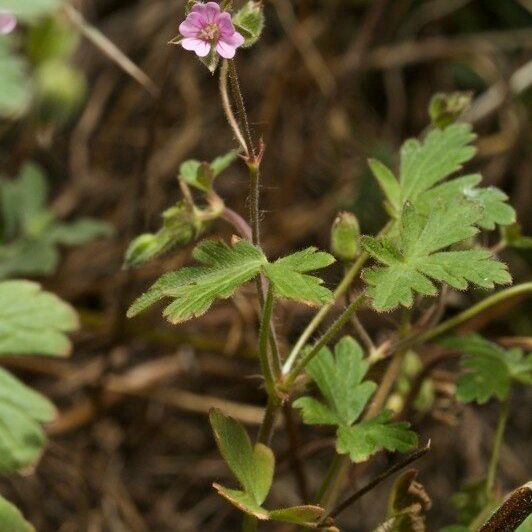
<point x="210" y="32"/>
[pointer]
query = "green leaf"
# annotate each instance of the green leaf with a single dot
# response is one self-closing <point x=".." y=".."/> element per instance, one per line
<point x="470" y="501"/>
<point x="289" y="280"/>
<point x="223" y="162"/>
<point x="424" y="164"/>
<point x="299" y="515"/>
<point x="252" y="466"/>
<point x="413" y="258"/>
<point x="15" y="87"/>
<point x="366" y="438"/>
<point x="22" y="410"/>
<point x="243" y="501"/>
<point x="249" y="21"/>
<point x="388" y="183"/>
<point x="489" y="369"/>
<point x="444" y="109"/>
<point x="79" y="231"/>
<point x="27" y="257"/>
<point x="28" y="10"/>
<point x="201" y="175"/>
<point x="11" y="520"/>
<point x="495" y="210"/>
<point x="33" y="321"/>
<point x="223" y="269"/>
<point x="339" y="379"/>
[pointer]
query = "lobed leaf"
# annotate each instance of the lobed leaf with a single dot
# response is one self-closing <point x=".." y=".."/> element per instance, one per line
<point x="366" y="438"/>
<point x="33" y="321"/>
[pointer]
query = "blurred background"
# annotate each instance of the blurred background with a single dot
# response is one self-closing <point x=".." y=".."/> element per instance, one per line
<point x="331" y="83"/>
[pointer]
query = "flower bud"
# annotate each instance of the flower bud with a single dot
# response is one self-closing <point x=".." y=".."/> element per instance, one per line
<point x="345" y="236"/>
<point x="444" y="109"/>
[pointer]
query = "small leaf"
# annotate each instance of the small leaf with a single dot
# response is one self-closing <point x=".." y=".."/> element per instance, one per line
<point x="249" y="21"/>
<point x="223" y="162"/>
<point x="11" y="520"/>
<point x="288" y="278"/>
<point x="252" y="466"/>
<point x="223" y="269"/>
<point x="299" y="515"/>
<point x="339" y="379"/>
<point x="33" y="321"/>
<point x="388" y="183"/>
<point x="15" y="86"/>
<point x="366" y="438"/>
<point x="243" y="501"/>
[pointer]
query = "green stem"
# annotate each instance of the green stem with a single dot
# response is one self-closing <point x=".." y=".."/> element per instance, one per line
<point x="466" y="315"/>
<point x="497" y="443"/>
<point x="331" y="333"/>
<point x="268" y="422"/>
<point x="341" y="289"/>
<point x="264" y="335"/>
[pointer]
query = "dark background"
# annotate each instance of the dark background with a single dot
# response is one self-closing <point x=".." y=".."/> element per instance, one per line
<point x="330" y="84"/>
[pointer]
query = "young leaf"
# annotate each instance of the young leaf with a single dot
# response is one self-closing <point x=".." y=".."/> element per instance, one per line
<point x="423" y="164"/>
<point x="79" y="231"/>
<point x="201" y="175"/>
<point x="252" y="466"/>
<point x="366" y="438"/>
<point x="33" y="321"/>
<point x="415" y="256"/>
<point x="388" y="183"/>
<point x="22" y="410"/>
<point x="490" y="369"/>
<point x="223" y="269"/>
<point x="289" y="279"/>
<point x="11" y="520"/>
<point x="298" y="515"/>
<point x="495" y="210"/>
<point x="249" y="21"/>
<point x="339" y="379"/>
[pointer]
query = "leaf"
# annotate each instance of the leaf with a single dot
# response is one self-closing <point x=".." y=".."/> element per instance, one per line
<point x="366" y="438"/>
<point x="28" y="10"/>
<point x="414" y="257"/>
<point x="201" y="175"/>
<point x="423" y="164"/>
<point x="11" y="520"/>
<point x="243" y="501"/>
<point x="299" y="515"/>
<point x="223" y="269"/>
<point x="495" y="210"/>
<point x="470" y="500"/>
<point x="252" y="466"/>
<point x="223" y="162"/>
<point x="288" y="278"/>
<point x="249" y="21"/>
<point x="490" y="369"/>
<point x="27" y="257"/>
<point x="339" y="379"/>
<point x="79" y="231"/>
<point x="15" y="93"/>
<point x="22" y="410"/>
<point x="388" y="183"/>
<point x="33" y="321"/>
<point x="445" y="108"/>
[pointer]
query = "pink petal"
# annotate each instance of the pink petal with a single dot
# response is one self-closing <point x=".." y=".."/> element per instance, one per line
<point x="226" y="50"/>
<point x="8" y="22"/>
<point x="225" y="23"/>
<point x="191" y="26"/>
<point x="208" y="10"/>
<point x="201" y="48"/>
<point x="236" y="40"/>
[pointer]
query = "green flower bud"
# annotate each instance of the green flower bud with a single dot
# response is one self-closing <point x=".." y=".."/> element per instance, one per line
<point x="345" y="236"/>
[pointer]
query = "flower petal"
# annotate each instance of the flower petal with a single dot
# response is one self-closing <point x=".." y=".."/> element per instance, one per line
<point x="191" y="26"/>
<point x="225" y="23"/>
<point x="236" y="39"/>
<point x="8" y="22"/>
<point x="226" y="50"/>
<point x="209" y="10"/>
<point x="202" y="48"/>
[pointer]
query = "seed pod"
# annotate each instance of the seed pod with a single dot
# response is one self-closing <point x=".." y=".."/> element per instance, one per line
<point x="345" y="236"/>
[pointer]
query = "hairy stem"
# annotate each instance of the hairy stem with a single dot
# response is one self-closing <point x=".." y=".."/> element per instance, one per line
<point x="330" y="334"/>
<point x="497" y="443"/>
<point x="264" y="335"/>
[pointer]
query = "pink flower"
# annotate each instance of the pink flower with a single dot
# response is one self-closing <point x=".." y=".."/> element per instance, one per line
<point x="206" y="27"/>
<point x="8" y="22"/>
